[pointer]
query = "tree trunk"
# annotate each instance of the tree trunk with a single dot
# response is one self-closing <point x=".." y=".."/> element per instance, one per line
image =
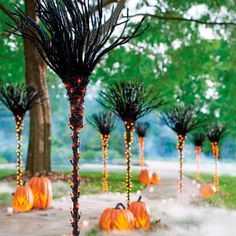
<point x="38" y="159"/>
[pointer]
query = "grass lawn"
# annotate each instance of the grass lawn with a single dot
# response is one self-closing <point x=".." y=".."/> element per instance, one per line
<point x="5" y="198"/>
<point x="116" y="182"/>
<point x="92" y="183"/>
<point x="6" y="172"/>
<point x="227" y="195"/>
<point x="93" y="232"/>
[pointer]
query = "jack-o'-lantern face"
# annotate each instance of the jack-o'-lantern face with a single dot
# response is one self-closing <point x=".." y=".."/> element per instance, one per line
<point x="23" y="199"/>
<point x="42" y="192"/>
<point x="141" y="214"/>
<point x="116" y="219"/>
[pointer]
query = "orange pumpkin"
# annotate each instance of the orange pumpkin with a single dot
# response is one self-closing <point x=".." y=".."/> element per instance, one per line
<point x="141" y="214"/>
<point x="145" y="176"/>
<point x="116" y="219"/>
<point x="207" y="190"/>
<point x="23" y="199"/>
<point x="42" y="192"/>
<point x="155" y="178"/>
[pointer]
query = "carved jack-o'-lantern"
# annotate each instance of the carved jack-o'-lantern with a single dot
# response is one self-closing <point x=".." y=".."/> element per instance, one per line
<point x="23" y="199"/>
<point x="207" y="190"/>
<point x="141" y="214"/>
<point x="116" y="219"/>
<point x="155" y="178"/>
<point x="42" y="192"/>
<point x="145" y="176"/>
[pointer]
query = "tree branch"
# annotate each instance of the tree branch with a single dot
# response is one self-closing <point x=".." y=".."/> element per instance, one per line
<point x="6" y="11"/>
<point x="116" y="14"/>
<point x="5" y="34"/>
<point x="118" y="9"/>
<point x="108" y="2"/>
<point x="176" y="18"/>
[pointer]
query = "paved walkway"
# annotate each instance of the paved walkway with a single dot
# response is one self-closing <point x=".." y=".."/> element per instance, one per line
<point x="180" y="216"/>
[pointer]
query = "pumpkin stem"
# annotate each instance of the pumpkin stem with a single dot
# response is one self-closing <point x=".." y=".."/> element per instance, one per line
<point x="40" y="174"/>
<point x="24" y="183"/>
<point x="140" y="198"/>
<point x="120" y="205"/>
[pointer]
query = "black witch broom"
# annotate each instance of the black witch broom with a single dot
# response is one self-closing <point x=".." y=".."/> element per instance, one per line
<point x="105" y="123"/>
<point x="198" y="139"/>
<point x="72" y="38"/>
<point x="215" y="133"/>
<point x="181" y="120"/>
<point x="19" y="98"/>
<point x="141" y="129"/>
<point x="130" y="101"/>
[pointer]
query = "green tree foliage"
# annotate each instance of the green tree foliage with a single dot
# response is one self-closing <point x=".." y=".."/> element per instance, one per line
<point x="193" y="62"/>
<point x="11" y="50"/>
<point x="197" y="70"/>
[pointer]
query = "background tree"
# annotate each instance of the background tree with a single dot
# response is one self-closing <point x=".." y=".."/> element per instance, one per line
<point x="214" y="133"/>
<point x="130" y="101"/>
<point x="105" y="123"/>
<point x="82" y="29"/>
<point x="198" y="139"/>
<point x="141" y="129"/>
<point x="19" y="98"/>
<point x="181" y="120"/>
